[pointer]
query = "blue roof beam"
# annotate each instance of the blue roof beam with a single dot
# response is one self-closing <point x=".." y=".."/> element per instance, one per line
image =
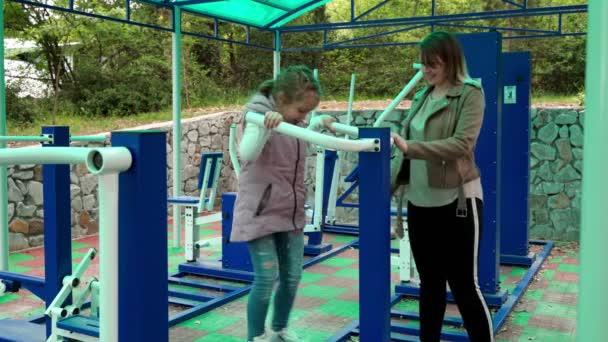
<point x="517" y="4"/>
<point x="409" y="28"/>
<point x="375" y="7"/>
<point x="440" y="19"/>
<point x="191" y="2"/>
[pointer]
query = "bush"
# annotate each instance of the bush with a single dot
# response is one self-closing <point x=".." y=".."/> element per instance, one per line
<point x="19" y="110"/>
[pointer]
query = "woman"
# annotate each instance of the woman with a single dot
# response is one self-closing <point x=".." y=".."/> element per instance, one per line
<point x="445" y="195"/>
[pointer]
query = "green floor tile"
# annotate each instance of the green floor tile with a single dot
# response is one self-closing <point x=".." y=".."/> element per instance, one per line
<point x="544" y="335"/>
<point x="9" y="297"/>
<point x="503" y="278"/>
<point x="209" y="322"/>
<point x="19" y="269"/>
<point x="555" y="309"/>
<point x="343" y="239"/>
<point x="77" y="255"/>
<point x="521" y="318"/>
<point x="207" y="232"/>
<point x="78" y="245"/>
<point x="176" y="259"/>
<point x="340" y="308"/>
<point x="308" y="277"/>
<point x="348" y="273"/>
<point x="562" y="286"/>
<point x="518" y="272"/>
<point x="534" y="294"/>
<point x="175" y="250"/>
<point x="569" y="268"/>
<point x="19" y="257"/>
<point x="319" y="291"/>
<point x="407" y="305"/>
<point x="548" y="274"/>
<point x="215" y="337"/>
<point x="183" y="288"/>
<point x="307" y="334"/>
<point x="556" y="260"/>
<point x="338" y="262"/>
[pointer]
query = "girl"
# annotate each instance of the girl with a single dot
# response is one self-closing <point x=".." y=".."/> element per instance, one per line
<point x="269" y="211"/>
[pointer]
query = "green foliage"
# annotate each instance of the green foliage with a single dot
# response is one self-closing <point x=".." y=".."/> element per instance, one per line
<point x="121" y="70"/>
<point x="18" y="110"/>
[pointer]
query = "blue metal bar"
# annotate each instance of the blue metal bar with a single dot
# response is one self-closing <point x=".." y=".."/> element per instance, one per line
<point x="138" y="192"/>
<point x="33" y="284"/>
<point x="128" y="10"/>
<point x="216" y="28"/>
<point x="342" y="229"/>
<point x="514" y="3"/>
<point x="376" y="35"/>
<point x="352" y="10"/>
<point x="183" y="302"/>
<point x="190" y="296"/>
<point x="445" y="335"/>
<point x="411" y="315"/>
<point x="202" y="285"/>
<point x="233" y="275"/>
<point x="92" y="15"/>
<point x="514" y="29"/>
<point x="322" y="257"/>
<point x="374" y="254"/>
<point x="248" y="34"/>
<point x="57" y="221"/>
<point x="375" y="7"/>
<point x="433" y="14"/>
<point x="340" y="201"/>
<point x="434" y="19"/>
<point x="502" y="314"/>
<point x="200" y="35"/>
<point x="559" y="23"/>
<point x="354" y="46"/>
<point x="206" y="307"/>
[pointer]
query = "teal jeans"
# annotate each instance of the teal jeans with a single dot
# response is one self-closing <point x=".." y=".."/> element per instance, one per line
<point x="277" y="256"/>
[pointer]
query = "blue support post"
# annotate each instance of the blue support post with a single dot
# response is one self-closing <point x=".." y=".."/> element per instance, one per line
<point x="142" y="247"/>
<point x="375" y="239"/>
<point x="57" y="220"/>
<point x="515" y="165"/>
<point x="235" y="255"/>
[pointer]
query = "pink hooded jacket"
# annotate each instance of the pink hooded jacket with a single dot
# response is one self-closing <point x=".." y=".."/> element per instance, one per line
<point x="271" y="191"/>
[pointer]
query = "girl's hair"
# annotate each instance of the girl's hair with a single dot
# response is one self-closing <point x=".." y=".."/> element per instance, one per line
<point x="292" y="82"/>
<point x="440" y="45"/>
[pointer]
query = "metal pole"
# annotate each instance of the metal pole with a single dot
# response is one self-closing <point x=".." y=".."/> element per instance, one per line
<point x="4" y="246"/>
<point x="594" y="238"/>
<point x="177" y="123"/>
<point x="276" y="54"/>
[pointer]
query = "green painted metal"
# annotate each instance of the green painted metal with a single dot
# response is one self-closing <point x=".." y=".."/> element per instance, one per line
<point x="15" y="138"/>
<point x="177" y="123"/>
<point x="259" y="13"/>
<point x="4" y="246"/>
<point x="276" y="56"/>
<point x="594" y="237"/>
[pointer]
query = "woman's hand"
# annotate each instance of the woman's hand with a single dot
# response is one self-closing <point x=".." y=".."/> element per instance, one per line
<point x="272" y="119"/>
<point x="327" y="123"/>
<point x="399" y="142"/>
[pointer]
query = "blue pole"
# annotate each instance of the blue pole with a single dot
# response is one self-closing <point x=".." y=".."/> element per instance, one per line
<point x="374" y="238"/>
<point x="57" y="220"/>
<point x="142" y="241"/>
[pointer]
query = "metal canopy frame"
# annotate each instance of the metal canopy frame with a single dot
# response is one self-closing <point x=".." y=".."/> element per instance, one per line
<point x="357" y="21"/>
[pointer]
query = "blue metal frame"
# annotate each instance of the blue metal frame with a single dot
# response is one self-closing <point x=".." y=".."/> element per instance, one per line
<point x="515" y="166"/>
<point x="430" y="21"/>
<point x="142" y="277"/>
<point x="375" y="253"/>
<point x="57" y="221"/>
<point x="57" y="230"/>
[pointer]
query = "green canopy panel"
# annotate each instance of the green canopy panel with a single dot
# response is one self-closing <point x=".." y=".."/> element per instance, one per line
<point x="266" y="14"/>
